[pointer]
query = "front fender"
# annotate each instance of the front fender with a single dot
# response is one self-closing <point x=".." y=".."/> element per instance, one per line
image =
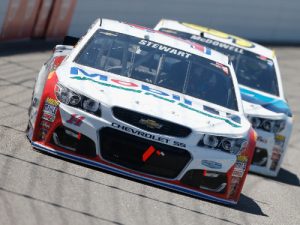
<point x="60" y="52"/>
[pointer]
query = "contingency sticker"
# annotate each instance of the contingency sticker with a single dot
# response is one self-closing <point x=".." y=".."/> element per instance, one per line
<point x="220" y="66"/>
<point x="50" y="109"/>
<point x="264" y="58"/>
<point x="279" y="140"/>
<point x="240" y="166"/>
<point x="276" y="155"/>
<point x="277" y="151"/>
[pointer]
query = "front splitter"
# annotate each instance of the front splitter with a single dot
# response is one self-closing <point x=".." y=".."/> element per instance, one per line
<point x="131" y="175"/>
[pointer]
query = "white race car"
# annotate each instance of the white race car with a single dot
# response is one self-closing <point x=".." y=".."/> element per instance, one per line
<point x="260" y="85"/>
<point x="148" y="106"/>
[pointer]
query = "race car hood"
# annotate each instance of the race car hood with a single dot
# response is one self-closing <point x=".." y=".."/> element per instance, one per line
<point x="257" y="104"/>
<point x="113" y="90"/>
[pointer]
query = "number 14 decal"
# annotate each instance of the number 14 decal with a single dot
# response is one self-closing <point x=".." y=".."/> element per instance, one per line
<point x="76" y="119"/>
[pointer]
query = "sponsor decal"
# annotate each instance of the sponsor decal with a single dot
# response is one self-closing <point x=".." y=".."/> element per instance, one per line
<point x="147" y="135"/>
<point x="200" y="48"/>
<point x="165" y="48"/>
<point x="279" y="140"/>
<point x="221" y="66"/>
<point x="242" y="158"/>
<point x="272" y="104"/>
<point x="150" y="123"/>
<point x="235" y="39"/>
<point x="194" y="45"/>
<point x="219" y="44"/>
<point x="108" y="33"/>
<point x="240" y="166"/>
<point x="80" y="74"/>
<point x="238" y="172"/>
<point x="43" y="134"/>
<point x="44" y="128"/>
<point x="261" y="57"/>
<point x="49" y="110"/>
<point x="52" y="101"/>
<point x="276" y="155"/>
<point x="262" y="140"/>
<point x="48" y="117"/>
<point x="270" y="62"/>
<point x="234" y="185"/>
<point x="264" y="58"/>
<point x="75" y="119"/>
<point x="140" y="27"/>
<point x="45" y="124"/>
<point x="211" y="164"/>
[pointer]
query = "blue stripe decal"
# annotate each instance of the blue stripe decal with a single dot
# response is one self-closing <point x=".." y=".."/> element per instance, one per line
<point x="272" y="104"/>
<point x="118" y="171"/>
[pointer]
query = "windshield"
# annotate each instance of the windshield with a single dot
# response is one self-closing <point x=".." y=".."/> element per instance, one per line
<point x="160" y="65"/>
<point x="252" y="70"/>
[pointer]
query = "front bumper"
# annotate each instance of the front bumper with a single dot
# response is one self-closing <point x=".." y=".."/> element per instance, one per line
<point x="180" y="169"/>
<point x="270" y="150"/>
<point x="131" y="174"/>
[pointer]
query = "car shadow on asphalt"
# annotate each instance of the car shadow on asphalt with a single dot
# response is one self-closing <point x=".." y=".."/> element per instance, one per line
<point x="246" y="204"/>
<point x="284" y="176"/>
<point x="249" y="205"/>
<point x="287" y="177"/>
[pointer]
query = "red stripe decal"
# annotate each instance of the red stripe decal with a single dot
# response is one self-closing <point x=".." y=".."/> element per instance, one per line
<point x="148" y="153"/>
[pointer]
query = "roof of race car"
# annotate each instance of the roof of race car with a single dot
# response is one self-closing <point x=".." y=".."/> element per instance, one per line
<point x="163" y="38"/>
<point x="217" y="35"/>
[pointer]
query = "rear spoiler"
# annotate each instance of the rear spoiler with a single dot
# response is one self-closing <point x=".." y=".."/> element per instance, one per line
<point x="70" y="40"/>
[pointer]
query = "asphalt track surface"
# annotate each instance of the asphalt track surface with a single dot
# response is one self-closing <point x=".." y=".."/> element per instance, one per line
<point x="36" y="188"/>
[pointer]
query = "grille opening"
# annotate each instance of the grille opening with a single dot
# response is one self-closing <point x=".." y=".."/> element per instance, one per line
<point x="210" y="181"/>
<point x="130" y="151"/>
<point x="158" y="126"/>
<point x="260" y="157"/>
<point x="68" y="139"/>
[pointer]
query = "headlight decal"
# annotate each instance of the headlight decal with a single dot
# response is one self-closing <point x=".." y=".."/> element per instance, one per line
<point x="229" y="145"/>
<point x="274" y="126"/>
<point x="71" y="98"/>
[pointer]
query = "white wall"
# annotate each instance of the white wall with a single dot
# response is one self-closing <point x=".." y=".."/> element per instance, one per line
<point x="260" y="20"/>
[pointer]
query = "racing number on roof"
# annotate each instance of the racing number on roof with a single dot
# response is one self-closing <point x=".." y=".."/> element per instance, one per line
<point x="236" y="40"/>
